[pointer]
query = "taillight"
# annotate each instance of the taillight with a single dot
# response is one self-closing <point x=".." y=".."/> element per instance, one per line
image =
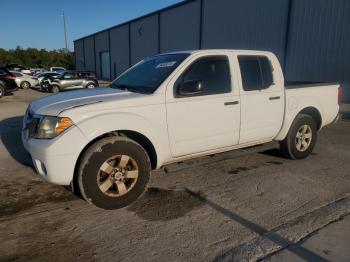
<point x="10" y="77"/>
<point x="340" y="95"/>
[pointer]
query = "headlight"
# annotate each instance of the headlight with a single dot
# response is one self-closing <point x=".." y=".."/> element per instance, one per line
<point x="50" y="127"/>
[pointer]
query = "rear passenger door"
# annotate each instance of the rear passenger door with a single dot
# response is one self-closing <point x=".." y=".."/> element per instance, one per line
<point x="262" y="99"/>
<point x="81" y="77"/>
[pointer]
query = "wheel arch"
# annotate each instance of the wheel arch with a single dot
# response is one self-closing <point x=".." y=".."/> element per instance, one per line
<point x="90" y="82"/>
<point x="312" y="111"/>
<point x="141" y="139"/>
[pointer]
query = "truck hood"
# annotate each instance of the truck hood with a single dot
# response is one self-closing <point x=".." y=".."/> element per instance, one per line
<point x="53" y="105"/>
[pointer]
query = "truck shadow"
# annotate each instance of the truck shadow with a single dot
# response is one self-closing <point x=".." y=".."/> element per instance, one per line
<point x="158" y="204"/>
<point x="274" y="237"/>
<point x="10" y="135"/>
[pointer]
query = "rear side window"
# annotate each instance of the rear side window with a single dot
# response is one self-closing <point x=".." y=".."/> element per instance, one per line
<point x="82" y="75"/>
<point x="213" y="72"/>
<point x="256" y="72"/>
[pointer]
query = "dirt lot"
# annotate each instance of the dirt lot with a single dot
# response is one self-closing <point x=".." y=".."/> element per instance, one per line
<point x="246" y="208"/>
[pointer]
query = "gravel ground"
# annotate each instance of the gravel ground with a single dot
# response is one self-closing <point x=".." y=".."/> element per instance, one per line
<point x="243" y="208"/>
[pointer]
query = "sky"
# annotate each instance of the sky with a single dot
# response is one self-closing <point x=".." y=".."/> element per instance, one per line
<point x="39" y="23"/>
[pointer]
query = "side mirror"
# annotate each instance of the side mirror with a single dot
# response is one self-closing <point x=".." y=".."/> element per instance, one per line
<point x="191" y="87"/>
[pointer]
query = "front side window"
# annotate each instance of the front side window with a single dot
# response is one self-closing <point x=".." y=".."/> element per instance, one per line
<point x="256" y="72"/>
<point x="149" y="74"/>
<point x="210" y="74"/>
<point x="2" y="73"/>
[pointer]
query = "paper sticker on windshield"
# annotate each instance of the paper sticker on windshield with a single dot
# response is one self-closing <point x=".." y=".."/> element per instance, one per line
<point x="166" y="64"/>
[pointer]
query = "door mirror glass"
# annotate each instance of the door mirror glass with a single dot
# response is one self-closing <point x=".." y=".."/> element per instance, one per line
<point x="191" y="87"/>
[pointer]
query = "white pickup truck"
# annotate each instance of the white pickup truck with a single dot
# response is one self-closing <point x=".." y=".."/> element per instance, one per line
<point x="166" y="109"/>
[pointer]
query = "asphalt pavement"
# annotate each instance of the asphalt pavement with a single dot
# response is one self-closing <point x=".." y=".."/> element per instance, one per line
<point x="253" y="207"/>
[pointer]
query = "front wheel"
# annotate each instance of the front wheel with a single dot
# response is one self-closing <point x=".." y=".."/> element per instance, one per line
<point x="113" y="172"/>
<point x="301" y="138"/>
<point x="54" y="89"/>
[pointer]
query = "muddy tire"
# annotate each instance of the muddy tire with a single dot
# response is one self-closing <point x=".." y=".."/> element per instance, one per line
<point x="301" y="138"/>
<point x="54" y="89"/>
<point x="25" y="85"/>
<point x="113" y="172"/>
<point x="2" y="91"/>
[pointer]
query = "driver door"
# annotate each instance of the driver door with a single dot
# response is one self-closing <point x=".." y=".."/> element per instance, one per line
<point x="208" y="118"/>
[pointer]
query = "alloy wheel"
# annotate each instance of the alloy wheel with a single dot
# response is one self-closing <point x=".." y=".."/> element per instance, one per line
<point x="117" y="176"/>
<point x="303" y="138"/>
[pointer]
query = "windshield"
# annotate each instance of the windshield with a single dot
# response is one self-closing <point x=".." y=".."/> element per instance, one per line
<point x="147" y="76"/>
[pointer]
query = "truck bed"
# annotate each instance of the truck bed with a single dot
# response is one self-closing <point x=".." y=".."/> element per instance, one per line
<point x="323" y="96"/>
<point x="295" y="84"/>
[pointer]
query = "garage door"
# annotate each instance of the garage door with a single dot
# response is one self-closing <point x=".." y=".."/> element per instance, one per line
<point x="105" y="65"/>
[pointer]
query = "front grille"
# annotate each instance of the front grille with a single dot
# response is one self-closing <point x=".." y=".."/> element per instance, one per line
<point x="30" y="123"/>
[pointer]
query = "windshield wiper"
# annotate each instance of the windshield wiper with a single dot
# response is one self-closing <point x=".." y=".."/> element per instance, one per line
<point x="128" y="88"/>
<point x="120" y="86"/>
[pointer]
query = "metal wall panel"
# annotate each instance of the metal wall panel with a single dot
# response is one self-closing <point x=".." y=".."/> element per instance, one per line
<point x="319" y="41"/>
<point x="101" y="45"/>
<point x="119" y="50"/>
<point x="79" y="55"/>
<point x="144" y="38"/>
<point x="180" y="28"/>
<point x="245" y="24"/>
<point x="89" y="52"/>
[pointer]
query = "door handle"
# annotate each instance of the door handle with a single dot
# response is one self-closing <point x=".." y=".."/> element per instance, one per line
<point x="274" y="97"/>
<point x="231" y="103"/>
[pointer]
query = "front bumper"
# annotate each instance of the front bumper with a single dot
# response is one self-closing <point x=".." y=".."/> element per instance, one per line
<point x="55" y="159"/>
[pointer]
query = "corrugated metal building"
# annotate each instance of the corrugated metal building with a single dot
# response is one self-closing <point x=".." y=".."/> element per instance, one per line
<point x="310" y="37"/>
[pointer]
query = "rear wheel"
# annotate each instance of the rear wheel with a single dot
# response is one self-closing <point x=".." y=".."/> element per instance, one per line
<point x="113" y="172"/>
<point x="25" y="85"/>
<point x="54" y="89"/>
<point x="301" y="138"/>
<point x="90" y="85"/>
<point x="2" y="91"/>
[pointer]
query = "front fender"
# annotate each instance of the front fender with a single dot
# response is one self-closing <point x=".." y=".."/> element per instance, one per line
<point x="102" y="124"/>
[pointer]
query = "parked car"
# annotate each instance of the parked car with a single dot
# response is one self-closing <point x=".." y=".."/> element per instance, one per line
<point x="167" y="109"/>
<point x="18" y="68"/>
<point x="45" y="75"/>
<point x="69" y="79"/>
<point x="7" y="82"/>
<point x="25" y="81"/>
<point x="55" y="69"/>
<point x="38" y="71"/>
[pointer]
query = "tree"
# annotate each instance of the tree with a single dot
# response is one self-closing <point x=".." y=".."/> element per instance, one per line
<point x="34" y="58"/>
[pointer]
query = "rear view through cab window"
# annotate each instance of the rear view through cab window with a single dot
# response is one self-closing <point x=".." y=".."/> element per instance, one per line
<point x="256" y="72"/>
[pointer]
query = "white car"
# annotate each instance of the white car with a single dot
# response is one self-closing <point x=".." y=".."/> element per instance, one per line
<point x="167" y="109"/>
<point x="25" y="81"/>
